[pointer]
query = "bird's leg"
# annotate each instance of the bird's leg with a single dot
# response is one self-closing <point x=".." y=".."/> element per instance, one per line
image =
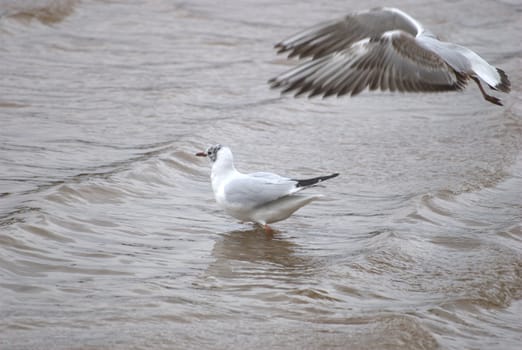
<point x="489" y="98"/>
<point x="268" y="229"/>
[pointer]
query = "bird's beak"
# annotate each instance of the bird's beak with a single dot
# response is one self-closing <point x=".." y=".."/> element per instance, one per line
<point x="201" y="154"/>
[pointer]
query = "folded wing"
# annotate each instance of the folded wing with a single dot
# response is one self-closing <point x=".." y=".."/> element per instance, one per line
<point x="257" y="189"/>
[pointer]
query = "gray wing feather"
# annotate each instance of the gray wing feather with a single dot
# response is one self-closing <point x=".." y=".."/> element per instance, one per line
<point x="393" y="62"/>
<point x="332" y="36"/>
<point x="453" y="54"/>
<point x="268" y="176"/>
<point x="252" y="191"/>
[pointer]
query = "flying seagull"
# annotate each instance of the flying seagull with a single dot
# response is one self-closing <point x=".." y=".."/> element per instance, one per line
<point x="381" y="48"/>
<point x="262" y="198"/>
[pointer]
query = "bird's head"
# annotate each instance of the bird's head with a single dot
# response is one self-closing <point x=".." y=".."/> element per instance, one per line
<point x="211" y="152"/>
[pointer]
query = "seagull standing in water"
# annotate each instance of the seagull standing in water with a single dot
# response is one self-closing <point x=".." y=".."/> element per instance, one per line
<point x="381" y="48"/>
<point x="261" y="198"/>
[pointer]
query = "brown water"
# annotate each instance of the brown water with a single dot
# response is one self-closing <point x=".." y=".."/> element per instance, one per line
<point x="109" y="234"/>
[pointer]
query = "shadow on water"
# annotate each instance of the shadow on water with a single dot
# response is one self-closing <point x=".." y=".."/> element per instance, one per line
<point x="270" y="266"/>
<point x="255" y="251"/>
<point x="267" y="267"/>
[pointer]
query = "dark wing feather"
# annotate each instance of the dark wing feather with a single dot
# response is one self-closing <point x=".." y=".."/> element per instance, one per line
<point x="332" y="36"/>
<point x="392" y="62"/>
<point x="505" y="84"/>
<point x="314" y="180"/>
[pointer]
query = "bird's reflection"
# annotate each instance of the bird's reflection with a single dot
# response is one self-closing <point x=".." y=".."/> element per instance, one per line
<point x="256" y="254"/>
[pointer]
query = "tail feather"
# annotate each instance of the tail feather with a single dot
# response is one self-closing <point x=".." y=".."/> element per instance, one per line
<point x="314" y="180"/>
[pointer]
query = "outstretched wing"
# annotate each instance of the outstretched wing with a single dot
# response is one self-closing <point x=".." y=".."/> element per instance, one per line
<point x="337" y="35"/>
<point x="395" y="62"/>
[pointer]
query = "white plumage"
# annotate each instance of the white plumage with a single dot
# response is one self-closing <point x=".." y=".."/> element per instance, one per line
<point x="260" y="197"/>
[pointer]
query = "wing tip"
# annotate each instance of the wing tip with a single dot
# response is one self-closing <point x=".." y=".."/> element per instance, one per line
<point x="314" y="180"/>
<point x="504" y="85"/>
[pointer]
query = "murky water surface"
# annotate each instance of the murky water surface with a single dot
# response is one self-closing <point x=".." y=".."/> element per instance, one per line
<point x="109" y="234"/>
